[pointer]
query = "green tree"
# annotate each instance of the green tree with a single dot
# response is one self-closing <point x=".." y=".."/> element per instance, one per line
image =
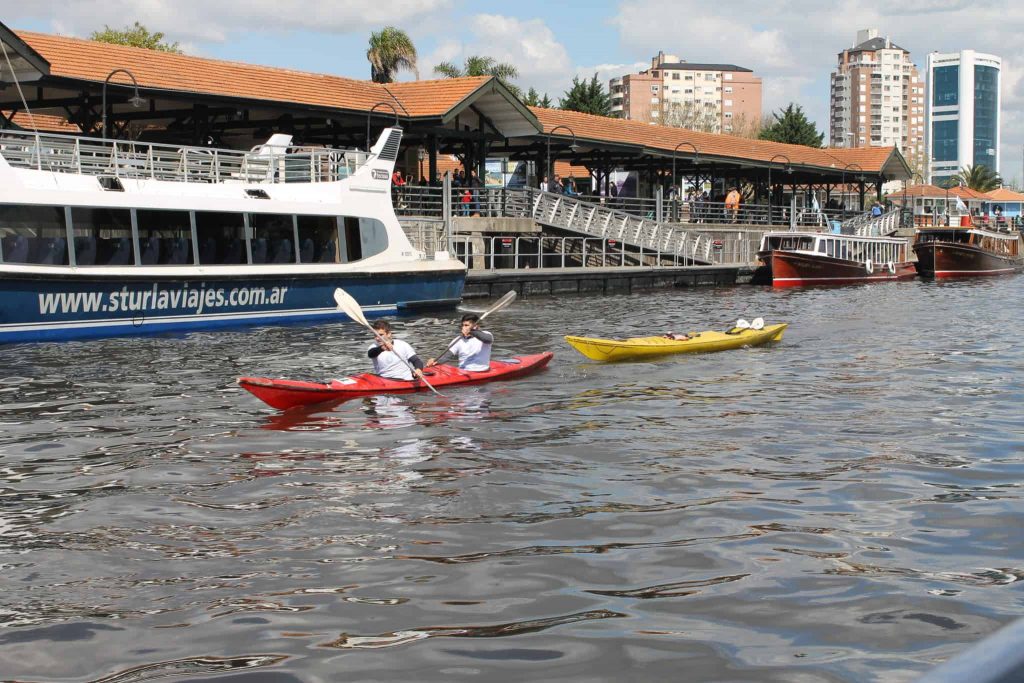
<point x="589" y="97"/>
<point x="546" y="102"/>
<point x="791" y="125"/>
<point x="978" y="177"/>
<point x="390" y="50"/>
<point x="534" y="99"/>
<point x="135" y="35"/>
<point x="479" y="65"/>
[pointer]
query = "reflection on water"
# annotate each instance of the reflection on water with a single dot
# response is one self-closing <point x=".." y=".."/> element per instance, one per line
<point x="842" y="506"/>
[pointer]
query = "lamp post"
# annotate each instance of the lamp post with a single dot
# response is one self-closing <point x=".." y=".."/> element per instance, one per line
<point x="572" y="148"/>
<point x="903" y="207"/>
<point x="696" y="160"/>
<point x="788" y="170"/>
<point x="135" y="100"/>
<point x="370" y="113"/>
<point x="858" y="177"/>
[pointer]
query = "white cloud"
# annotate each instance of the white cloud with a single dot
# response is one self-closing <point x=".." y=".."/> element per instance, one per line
<point x="529" y="45"/>
<point x="204" y="21"/>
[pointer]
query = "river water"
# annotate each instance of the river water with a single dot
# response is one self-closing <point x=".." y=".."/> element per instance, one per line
<point x="842" y="506"/>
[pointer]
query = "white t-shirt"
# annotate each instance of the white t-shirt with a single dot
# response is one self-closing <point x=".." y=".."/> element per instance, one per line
<point x="389" y="364"/>
<point x="472" y="353"/>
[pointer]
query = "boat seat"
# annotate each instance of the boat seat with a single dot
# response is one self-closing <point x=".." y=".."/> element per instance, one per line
<point x="234" y="253"/>
<point x="259" y="250"/>
<point x="208" y="251"/>
<point x="85" y="251"/>
<point x="122" y="254"/>
<point x="53" y="251"/>
<point x="150" y="253"/>
<point x="327" y="254"/>
<point x="16" y="249"/>
<point x="177" y="250"/>
<point x="282" y="252"/>
<point x="306" y="252"/>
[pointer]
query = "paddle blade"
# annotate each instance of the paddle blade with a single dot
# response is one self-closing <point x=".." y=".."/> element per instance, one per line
<point x="349" y="306"/>
<point x="742" y="324"/>
<point x="758" y="324"/>
<point x="501" y="303"/>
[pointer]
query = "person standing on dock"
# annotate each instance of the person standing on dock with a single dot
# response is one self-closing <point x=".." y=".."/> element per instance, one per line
<point x="472" y="347"/>
<point x="732" y="205"/>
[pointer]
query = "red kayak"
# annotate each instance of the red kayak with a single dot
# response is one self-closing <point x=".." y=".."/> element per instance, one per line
<point x="288" y="393"/>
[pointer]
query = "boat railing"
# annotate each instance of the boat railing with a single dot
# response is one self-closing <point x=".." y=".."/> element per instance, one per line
<point x="155" y="161"/>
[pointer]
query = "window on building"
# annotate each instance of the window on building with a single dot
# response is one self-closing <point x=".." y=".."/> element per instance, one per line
<point x="727" y="77"/>
<point x="655" y="74"/>
<point x="945" y="138"/>
<point x="675" y="75"/>
<point x="946" y="85"/>
<point x="728" y="89"/>
<point x="986" y="115"/>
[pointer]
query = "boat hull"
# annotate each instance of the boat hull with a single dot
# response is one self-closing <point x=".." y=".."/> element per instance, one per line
<point x="646" y="347"/>
<point x="61" y="307"/>
<point x="941" y="260"/>
<point x="284" y="394"/>
<point x="796" y="269"/>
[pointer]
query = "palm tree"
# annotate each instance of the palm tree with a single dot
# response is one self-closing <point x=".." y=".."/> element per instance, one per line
<point x="478" y="65"/>
<point x="979" y="177"/>
<point x="391" y="49"/>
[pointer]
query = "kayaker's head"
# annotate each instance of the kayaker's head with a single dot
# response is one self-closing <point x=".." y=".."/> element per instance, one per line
<point x="470" y="321"/>
<point x="383" y="329"/>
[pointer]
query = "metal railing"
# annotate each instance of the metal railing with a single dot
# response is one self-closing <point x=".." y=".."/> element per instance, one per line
<point x="516" y="252"/>
<point x="154" y="161"/>
<point x="867" y="225"/>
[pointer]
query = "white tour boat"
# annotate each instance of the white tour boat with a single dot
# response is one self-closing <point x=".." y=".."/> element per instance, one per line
<point x="105" y="237"/>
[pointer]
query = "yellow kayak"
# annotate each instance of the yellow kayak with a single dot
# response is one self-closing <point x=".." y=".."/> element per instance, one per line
<point x="699" y="342"/>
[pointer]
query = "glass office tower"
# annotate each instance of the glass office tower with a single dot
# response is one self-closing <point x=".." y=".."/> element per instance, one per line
<point x="963" y="113"/>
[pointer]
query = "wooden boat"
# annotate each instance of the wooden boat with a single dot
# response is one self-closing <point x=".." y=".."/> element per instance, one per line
<point x="699" y="342"/>
<point x="965" y="251"/>
<point x="793" y="259"/>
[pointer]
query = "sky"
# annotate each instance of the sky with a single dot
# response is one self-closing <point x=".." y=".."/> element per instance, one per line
<point x="792" y="46"/>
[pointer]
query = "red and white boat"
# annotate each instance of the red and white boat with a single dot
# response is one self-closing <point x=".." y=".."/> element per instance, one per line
<point x="966" y="251"/>
<point x="795" y="259"/>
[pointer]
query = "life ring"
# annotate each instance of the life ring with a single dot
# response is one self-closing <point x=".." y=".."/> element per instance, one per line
<point x="892" y="267"/>
<point x="869" y="267"/>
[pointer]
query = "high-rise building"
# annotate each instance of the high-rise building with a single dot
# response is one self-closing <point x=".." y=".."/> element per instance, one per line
<point x="963" y="112"/>
<point x="715" y="98"/>
<point x="878" y="99"/>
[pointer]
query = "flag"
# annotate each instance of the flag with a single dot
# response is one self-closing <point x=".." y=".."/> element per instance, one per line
<point x="960" y="206"/>
<point x="814" y="203"/>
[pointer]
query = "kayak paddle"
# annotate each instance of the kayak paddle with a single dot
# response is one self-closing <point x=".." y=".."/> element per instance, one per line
<point x="351" y="308"/>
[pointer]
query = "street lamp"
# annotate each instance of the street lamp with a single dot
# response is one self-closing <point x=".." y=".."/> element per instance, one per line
<point x="789" y="169"/>
<point x="136" y="101"/>
<point x="572" y="148"/>
<point x="858" y="177"/>
<point x="696" y="158"/>
<point x="903" y="207"/>
<point x="370" y="113"/>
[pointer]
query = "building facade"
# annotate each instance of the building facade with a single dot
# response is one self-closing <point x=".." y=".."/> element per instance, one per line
<point x="878" y="99"/>
<point x="963" y="112"/>
<point x="714" y="98"/>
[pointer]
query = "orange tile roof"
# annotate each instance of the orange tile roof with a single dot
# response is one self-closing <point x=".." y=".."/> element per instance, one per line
<point x="1004" y="194"/>
<point x="93" y="61"/>
<point x="44" y="122"/>
<point x="935" y="192"/>
<point x="666" y="138"/>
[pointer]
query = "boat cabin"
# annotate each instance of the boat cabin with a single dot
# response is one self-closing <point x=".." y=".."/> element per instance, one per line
<point x="1006" y="243"/>
<point x="860" y="249"/>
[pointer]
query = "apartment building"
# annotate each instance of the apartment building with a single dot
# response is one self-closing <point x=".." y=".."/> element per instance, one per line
<point x="963" y="112"/>
<point x="878" y="99"/>
<point x="717" y="98"/>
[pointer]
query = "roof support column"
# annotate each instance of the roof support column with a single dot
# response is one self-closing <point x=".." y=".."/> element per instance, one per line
<point x="432" y="164"/>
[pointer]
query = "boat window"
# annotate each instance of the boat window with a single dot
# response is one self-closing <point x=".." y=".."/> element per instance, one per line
<point x="165" y="238"/>
<point x="318" y="239"/>
<point x="364" y="237"/>
<point x="221" y="238"/>
<point x="33" y="234"/>
<point x="273" y="238"/>
<point x="102" y="237"/>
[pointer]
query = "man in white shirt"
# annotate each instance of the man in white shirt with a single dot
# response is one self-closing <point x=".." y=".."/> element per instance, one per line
<point x="393" y="358"/>
<point x="472" y="347"/>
